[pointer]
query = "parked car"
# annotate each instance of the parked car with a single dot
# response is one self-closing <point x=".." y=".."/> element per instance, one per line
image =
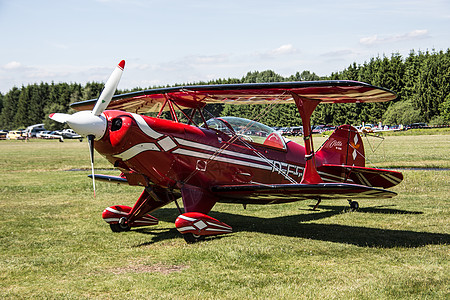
<point x="284" y="130"/>
<point x="297" y="130"/>
<point x="16" y="135"/>
<point x="329" y="128"/>
<point x="417" y="126"/>
<point x="70" y="134"/>
<point x="318" y="129"/>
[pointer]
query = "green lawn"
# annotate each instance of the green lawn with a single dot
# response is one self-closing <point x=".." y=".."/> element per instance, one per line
<point x="54" y="243"/>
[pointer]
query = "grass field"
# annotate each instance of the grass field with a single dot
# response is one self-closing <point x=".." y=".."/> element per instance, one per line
<point x="54" y="243"/>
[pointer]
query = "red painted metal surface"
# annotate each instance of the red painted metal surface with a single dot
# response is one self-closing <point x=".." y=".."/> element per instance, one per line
<point x="200" y="224"/>
<point x="220" y="162"/>
<point x="173" y="153"/>
<point x="283" y="193"/>
<point x="112" y="215"/>
<point x="192" y="160"/>
<point x="256" y="93"/>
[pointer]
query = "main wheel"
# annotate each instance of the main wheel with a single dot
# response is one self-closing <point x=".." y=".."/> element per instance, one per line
<point x="191" y="238"/>
<point x="121" y="226"/>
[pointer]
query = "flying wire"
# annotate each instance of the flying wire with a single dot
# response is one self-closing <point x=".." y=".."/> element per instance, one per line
<point x="236" y="136"/>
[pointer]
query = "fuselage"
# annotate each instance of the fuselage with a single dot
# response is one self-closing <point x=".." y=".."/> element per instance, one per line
<point x="169" y="152"/>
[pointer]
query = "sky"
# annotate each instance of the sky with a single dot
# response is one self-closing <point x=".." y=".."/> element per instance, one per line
<point x="175" y="42"/>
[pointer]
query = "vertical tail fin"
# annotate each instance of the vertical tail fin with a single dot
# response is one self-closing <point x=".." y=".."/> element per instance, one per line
<point x="343" y="147"/>
<point x="343" y="161"/>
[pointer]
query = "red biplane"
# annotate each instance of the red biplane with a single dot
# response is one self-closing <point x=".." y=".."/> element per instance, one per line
<point x="226" y="159"/>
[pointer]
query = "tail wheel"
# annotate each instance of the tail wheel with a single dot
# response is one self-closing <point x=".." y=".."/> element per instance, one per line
<point x="353" y="205"/>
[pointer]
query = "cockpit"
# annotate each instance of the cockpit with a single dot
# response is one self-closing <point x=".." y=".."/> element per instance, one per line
<point x="248" y="130"/>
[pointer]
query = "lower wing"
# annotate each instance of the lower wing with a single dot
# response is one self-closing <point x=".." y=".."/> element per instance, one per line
<point x="281" y="193"/>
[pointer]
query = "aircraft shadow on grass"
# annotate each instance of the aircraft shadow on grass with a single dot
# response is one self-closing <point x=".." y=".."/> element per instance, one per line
<point x="300" y="226"/>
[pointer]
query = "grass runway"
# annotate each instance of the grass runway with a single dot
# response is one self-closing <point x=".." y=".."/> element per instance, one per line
<point x="54" y="243"/>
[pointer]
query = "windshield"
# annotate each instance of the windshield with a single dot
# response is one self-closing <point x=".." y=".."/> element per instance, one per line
<point x="248" y="130"/>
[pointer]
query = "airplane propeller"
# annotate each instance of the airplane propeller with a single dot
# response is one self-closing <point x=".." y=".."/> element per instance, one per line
<point x="92" y="124"/>
<point x="91" y="155"/>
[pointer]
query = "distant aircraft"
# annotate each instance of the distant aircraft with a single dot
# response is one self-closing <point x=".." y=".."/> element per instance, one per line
<point x="226" y="159"/>
<point x="61" y="135"/>
<point x="33" y="130"/>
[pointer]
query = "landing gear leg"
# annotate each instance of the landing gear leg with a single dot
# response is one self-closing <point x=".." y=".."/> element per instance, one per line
<point x="353" y="205"/>
<point x="317" y="204"/>
<point x="178" y="207"/>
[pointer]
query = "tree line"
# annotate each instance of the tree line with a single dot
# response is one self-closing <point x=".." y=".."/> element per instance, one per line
<point x="421" y="81"/>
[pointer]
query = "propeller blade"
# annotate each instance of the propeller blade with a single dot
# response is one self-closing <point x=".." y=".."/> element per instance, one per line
<point x="91" y="152"/>
<point x="109" y="90"/>
<point x="59" y="117"/>
<point x="92" y="123"/>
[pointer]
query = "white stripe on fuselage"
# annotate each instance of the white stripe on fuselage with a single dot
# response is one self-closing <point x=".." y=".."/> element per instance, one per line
<point x="217" y="150"/>
<point x="116" y="211"/>
<point x="139" y="148"/>
<point x="207" y="156"/>
<point x="145" y="127"/>
<point x="136" y="149"/>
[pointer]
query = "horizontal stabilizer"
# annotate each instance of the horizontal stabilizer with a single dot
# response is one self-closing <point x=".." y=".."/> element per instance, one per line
<point x="109" y="178"/>
<point x="281" y="193"/>
<point x="360" y="175"/>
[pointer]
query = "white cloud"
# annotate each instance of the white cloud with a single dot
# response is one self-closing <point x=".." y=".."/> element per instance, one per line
<point x="412" y="35"/>
<point x="283" y="50"/>
<point x="13" y="65"/>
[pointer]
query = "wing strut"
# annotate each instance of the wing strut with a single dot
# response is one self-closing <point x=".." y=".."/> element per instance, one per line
<point x="305" y="108"/>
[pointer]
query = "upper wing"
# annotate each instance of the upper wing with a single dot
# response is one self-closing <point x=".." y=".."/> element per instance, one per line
<point x="253" y="93"/>
<point x="279" y="193"/>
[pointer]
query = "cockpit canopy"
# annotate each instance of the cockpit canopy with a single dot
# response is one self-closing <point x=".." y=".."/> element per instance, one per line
<point x="247" y="130"/>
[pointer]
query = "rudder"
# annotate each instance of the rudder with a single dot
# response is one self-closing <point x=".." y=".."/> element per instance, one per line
<point x="343" y="147"/>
